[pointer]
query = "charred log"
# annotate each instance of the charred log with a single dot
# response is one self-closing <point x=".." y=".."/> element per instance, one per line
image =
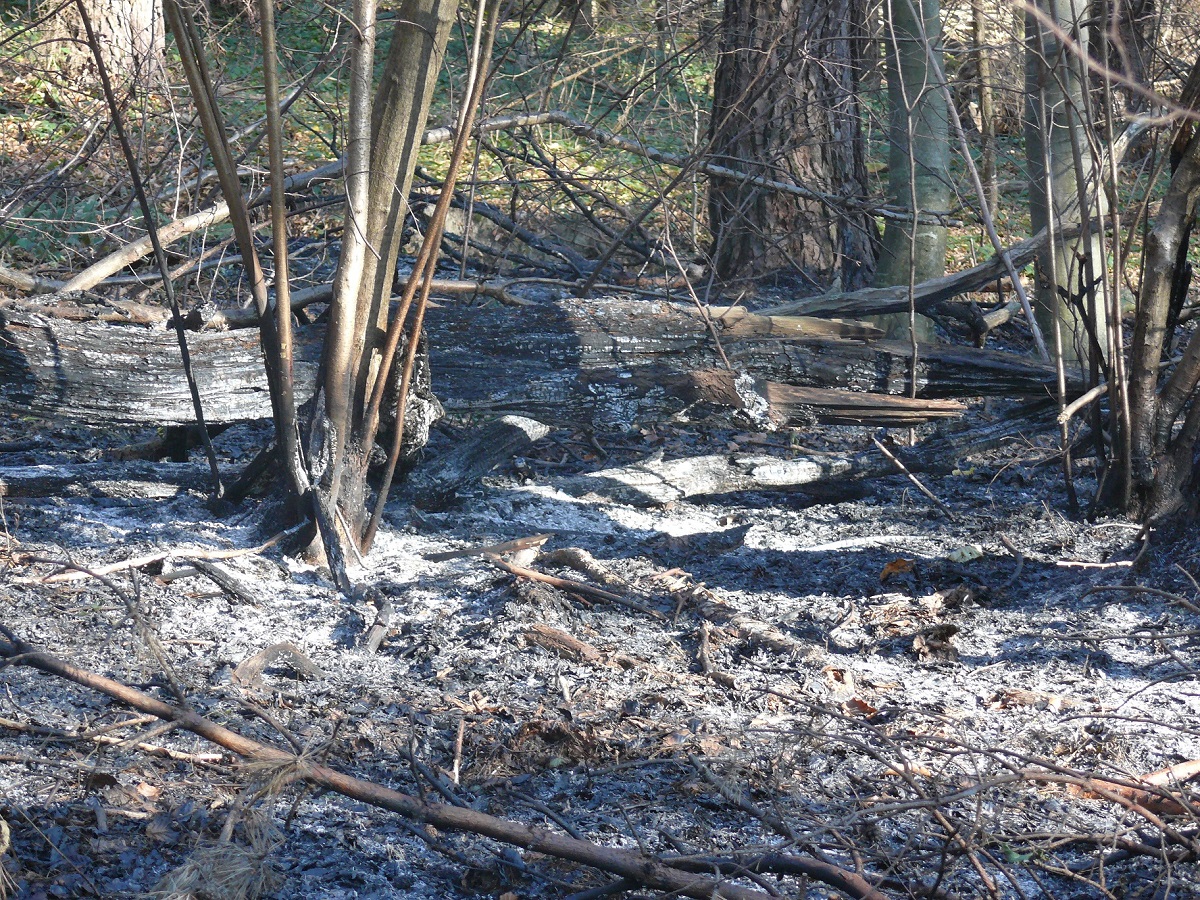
<point x="572" y="362"/>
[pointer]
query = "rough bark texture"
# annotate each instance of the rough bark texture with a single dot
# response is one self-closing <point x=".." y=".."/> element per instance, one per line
<point x="784" y="104"/>
<point x="1162" y="458"/>
<point x="130" y="32"/>
<point x="918" y="153"/>
<point x="573" y="362"/>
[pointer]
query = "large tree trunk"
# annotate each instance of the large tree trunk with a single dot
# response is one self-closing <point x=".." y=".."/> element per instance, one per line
<point x="918" y="156"/>
<point x="785" y="106"/>
<point x="1064" y="181"/>
<point x="130" y="33"/>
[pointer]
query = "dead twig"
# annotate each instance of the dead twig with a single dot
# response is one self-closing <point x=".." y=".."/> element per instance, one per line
<point x="249" y="671"/>
<point x="1141" y="589"/>
<point x="571" y="586"/>
<point x="645" y="870"/>
<point x="1017" y="555"/>
<point x="226" y="582"/>
<point x="706" y="604"/>
<point x="525" y="543"/>
<point x="895" y="460"/>
<point x="139" y="562"/>
<point x="379" y="628"/>
<point x="100" y="737"/>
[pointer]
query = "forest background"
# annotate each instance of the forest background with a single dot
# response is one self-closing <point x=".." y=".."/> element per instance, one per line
<point x="760" y="156"/>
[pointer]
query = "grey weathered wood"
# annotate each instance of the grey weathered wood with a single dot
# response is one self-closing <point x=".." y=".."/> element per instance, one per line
<point x="656" y="481"/>
<point x="571" y="362"/>
<point x="103" y="373"/>
<point x="434" y="485"/>
<point x="125" y="480"/>
<point x="926" y="295"/>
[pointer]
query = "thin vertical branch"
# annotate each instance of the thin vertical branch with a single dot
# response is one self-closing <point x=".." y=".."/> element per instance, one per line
<point x="1118" y="378"/>
<point x="279" y="237"/>
<point x="486" y="23"/>
<point x="191" y="54"/>
<point x="160" y="255"/>
<point x="987" y="106"/>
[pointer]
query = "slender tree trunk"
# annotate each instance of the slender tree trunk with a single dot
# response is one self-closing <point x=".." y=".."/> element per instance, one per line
<point x="919" y="153"/>
<point x="358" y="317"/>
<point x="1064" y="180"/>
<point x="785" y="106"/>
<point x="1163" y="455"/>
<point x="987" y="105"/>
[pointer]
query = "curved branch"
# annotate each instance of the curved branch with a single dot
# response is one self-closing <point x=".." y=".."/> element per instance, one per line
<point x="640" y="868"/>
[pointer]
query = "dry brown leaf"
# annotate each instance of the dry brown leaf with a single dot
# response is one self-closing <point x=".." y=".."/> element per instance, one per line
<point x="899" y="566"/>
<point x="907" y="770"/>
<point x="860" y="707"/>
<point x="1152" y="802"/>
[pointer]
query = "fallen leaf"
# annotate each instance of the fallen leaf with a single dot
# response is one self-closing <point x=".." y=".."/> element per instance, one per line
<point x="158" y="831"/>
<point x="966" y="553"/>
<point x="900" y="566"/>
<point x="861" y="707"/>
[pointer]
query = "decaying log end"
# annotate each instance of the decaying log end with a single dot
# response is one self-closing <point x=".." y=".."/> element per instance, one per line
<point x="97" y="373"/>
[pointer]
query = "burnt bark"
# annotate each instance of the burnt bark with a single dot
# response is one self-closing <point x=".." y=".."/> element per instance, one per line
<point x="1162" y="455"/>
<point x="573" y="362"/>
<point x="784" y="104"/>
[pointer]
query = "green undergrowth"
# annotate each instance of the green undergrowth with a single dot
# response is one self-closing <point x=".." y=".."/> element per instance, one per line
<point x="647" y="79"/>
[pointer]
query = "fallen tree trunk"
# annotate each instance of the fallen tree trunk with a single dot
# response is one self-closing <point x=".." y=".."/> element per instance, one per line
<point x="925" y="295"/>
<point x="138" y="480"/>
<point x="569" y="363"/>
<point x="658" y="481"/>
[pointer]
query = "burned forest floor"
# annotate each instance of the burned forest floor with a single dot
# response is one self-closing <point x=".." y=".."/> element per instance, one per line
<point x="956" y="701"/>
